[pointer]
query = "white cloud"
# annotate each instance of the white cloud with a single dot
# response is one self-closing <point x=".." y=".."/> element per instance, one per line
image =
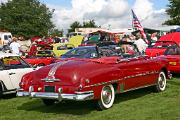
<point x="116" y="13"/>
<point x="149" y="17"/>
<point x="3" y="1"/>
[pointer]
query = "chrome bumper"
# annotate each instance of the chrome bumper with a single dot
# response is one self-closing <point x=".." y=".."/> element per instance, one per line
<point x="78" y="96"/>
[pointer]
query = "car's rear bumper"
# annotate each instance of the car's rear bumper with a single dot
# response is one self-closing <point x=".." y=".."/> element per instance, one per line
<point x="79" y="96"/>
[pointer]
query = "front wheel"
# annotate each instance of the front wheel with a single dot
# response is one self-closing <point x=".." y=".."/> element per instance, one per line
<point x="107" y="98"/>
<point x="161" y="82"/>
<point x="48" y="102"/>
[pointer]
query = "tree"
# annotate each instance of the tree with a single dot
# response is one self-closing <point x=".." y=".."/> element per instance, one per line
<point x="74" y="25"/>
<point x="174" y="12"/>
<point x="89" y="24"/>
<point x="56" y="32"/>
<point x="26" y="18"/>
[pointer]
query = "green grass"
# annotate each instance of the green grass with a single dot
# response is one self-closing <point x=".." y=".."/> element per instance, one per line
<point x="141" y="104"/>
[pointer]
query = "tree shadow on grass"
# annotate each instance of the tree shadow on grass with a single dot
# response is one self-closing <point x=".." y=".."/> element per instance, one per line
<point x="79" y="107"/>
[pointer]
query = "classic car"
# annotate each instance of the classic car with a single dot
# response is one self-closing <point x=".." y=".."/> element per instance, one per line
<point x="42" y="58"/>
<point x="159" y="48"/>
<point x="12" y="68"/>
<point x="173" y="55"/>
<point x="96" y="79"/>
<point x="61" y="48"/>
<point x="165" y="41"/>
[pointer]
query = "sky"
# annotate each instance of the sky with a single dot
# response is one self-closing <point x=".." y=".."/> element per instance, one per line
<point x="113" y="13"/>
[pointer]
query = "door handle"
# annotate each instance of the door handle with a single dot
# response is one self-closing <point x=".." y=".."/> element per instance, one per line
<point x="11" y="73"/>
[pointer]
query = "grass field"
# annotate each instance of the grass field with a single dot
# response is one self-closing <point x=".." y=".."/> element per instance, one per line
<point x="141" y="104"/>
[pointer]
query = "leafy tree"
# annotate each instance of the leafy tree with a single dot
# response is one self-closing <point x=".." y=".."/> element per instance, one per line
<point x="174" y="12"/>
<point x="89" y="24"/>
<point x="76" y="24"/>
<point x="56" y="32"/>
<point x="26" y="18"/>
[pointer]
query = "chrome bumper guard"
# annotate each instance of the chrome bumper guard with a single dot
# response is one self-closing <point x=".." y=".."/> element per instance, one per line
<point x="78" y="96"/>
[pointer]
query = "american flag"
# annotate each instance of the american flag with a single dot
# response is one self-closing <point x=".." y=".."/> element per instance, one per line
<point x="137" y="25"/>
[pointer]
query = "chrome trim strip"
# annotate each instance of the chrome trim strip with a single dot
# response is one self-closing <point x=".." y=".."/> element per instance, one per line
<point x="113" y="81"/>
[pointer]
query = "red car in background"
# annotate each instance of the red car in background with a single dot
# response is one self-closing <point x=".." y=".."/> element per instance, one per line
<point x="165" y="41"/>
<point x="159" y="48"/>
<point x="42" y="58"/>
<point x="173" y="55"/>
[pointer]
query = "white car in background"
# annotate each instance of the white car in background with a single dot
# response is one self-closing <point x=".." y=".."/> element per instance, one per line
<point x="12" y="68"/>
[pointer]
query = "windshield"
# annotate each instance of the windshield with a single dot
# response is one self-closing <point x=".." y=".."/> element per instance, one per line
<point x="81" y="52"/>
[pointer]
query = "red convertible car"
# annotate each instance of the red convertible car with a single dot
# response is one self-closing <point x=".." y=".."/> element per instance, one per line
<point x="96" y="79"/>
<point x="173" y="55"/>
<point x="159" y="48"/>
<point x="42" y="58"/>
<point x="165" y="41"/>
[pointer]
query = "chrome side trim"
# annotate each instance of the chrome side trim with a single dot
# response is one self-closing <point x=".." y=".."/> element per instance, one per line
<point x="127" y="77"/>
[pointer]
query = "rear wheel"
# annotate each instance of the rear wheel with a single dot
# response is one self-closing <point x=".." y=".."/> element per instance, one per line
<point x="48" y="102"/>
<point x="107" y="98"/>
<point x="161" y="82"/>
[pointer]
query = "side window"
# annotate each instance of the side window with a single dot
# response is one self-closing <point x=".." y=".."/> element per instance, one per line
<point x="14" y="62"/>
<point x="172" y="51"/>
<point x="5" y="37"/>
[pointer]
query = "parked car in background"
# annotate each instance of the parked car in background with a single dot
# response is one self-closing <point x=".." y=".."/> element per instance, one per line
<point x="42" y="58"/>
<point x="12" y="68"/>
<point x="173" y="55"/>
<point x="165" y="41"/>
<point x="159" y="48"/>
<point x="61" y="48"/>
<point x="98" y="78"/>
<point x="6" y="37"/>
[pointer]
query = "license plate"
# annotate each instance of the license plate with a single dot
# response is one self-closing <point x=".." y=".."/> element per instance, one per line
<point x="49" y="88"/>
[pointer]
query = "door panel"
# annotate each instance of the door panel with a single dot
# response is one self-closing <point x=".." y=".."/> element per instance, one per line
<point x="6" y="79"/>
<point x="16" y="75"/>
<point x="137" y="73"/>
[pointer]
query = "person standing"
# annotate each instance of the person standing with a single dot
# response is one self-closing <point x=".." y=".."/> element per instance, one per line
<point x="140" y="43"/>
<point x="15" y="46"/>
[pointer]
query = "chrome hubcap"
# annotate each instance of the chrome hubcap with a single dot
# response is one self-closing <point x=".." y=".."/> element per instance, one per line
<point x="107" y="95"/>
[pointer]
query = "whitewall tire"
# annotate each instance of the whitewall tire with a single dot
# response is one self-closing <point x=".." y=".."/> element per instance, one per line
<point x="107" y="97"/>
<point x="161" y="82"/>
